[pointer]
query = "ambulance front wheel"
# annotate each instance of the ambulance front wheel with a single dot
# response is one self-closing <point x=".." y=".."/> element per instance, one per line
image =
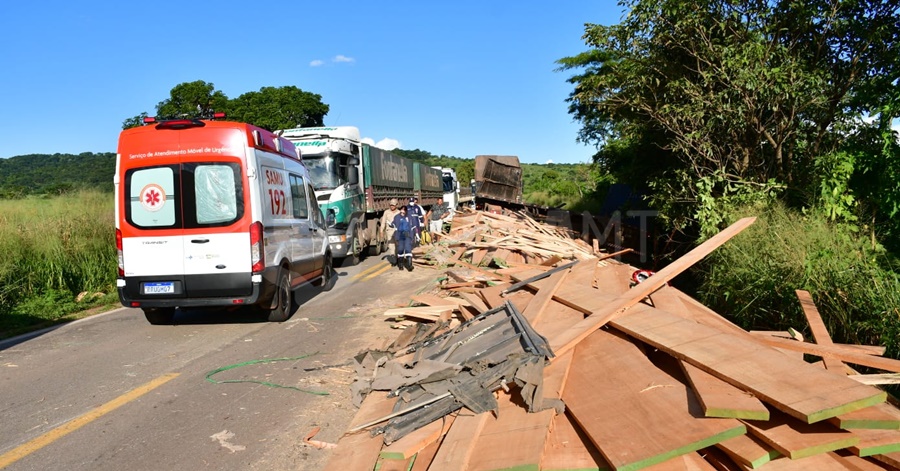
<point x="160" y="315"/>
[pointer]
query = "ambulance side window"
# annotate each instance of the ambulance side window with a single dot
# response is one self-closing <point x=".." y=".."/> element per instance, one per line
<point x="213" y="194"/>
<point x="152" y="200"/>
<point x="298" y="196"/>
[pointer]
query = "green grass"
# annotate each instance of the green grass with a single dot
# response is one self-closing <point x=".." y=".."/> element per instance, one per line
<point x="54" y="249"/>
<point x="753" y="277"/>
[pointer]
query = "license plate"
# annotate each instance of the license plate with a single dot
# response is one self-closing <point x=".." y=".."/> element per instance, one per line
<point x="160" y="287"/>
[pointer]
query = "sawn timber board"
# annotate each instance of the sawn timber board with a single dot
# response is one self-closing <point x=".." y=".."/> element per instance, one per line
<point x="797" y="388"/>
<point x="635" y="414"/>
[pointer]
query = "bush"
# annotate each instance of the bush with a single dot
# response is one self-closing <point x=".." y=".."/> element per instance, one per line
<point x="753" y="277"/>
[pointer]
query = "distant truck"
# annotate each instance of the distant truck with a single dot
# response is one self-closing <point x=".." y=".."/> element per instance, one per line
<point x="454" y="194"/>
<point x="498" y="180"/>
<point x="354" y="184"/>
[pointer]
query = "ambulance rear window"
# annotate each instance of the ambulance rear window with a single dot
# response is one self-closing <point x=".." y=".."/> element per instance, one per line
<point x="184" y="196"/>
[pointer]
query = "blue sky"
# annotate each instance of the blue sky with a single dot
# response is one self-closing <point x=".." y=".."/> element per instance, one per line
<point x="459" y="78"/>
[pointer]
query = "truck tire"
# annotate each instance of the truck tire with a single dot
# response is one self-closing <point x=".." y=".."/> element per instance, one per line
<point x="283" y="299"/>
<point x="376" y="248"/>
<point x="160" y="315"/>
<point x="355" y="252"/>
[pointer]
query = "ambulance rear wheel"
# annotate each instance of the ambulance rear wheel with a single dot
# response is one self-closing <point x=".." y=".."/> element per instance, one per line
<point x="284" y="299"/>
<point x="160" y="315"/>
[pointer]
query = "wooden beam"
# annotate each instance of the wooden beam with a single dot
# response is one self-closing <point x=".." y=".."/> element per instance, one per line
<point x="577" y="333"/>
<point x="635" y="414"/>
<point x="819" y="331"/>
<point x="544" y="296"/>
<point x="833" y="351"/>
<point x="880" y="416"/>
<point x="793" y="386"/>
<point x="456" y="449"/>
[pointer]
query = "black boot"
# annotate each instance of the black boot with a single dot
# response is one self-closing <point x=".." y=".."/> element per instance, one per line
<point x="400" y="262"/>
<point x="409" y="265"/>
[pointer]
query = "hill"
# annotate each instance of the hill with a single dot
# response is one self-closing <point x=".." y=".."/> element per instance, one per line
<point x="36" y="174"/>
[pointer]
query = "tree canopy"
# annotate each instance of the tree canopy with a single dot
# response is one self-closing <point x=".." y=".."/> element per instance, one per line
<point x="716" y="99"/>
<point x="270" y="108"/>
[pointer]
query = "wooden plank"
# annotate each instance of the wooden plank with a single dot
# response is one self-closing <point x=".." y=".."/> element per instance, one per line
<point x="720" y="399"/>
<point x="568" y="449"/>
<point x="890" y="459"/>
<point x="544" y="296"/>
<point x="425" y="457"/>
<point x="360" y="450"/>
<point x="821" y="462"/>
<point x="432" y="300"/>
<point x="748" y="451"/>
<point x="856" y="463"/>
<point x="643" y="416"/>
<point x="876" y="442"/>
<point x="880" y="416"/>
<point x="834" y="351"/>
<point x="475" y="301"/>
<point x="577" y="333"/>
<point x="491" y="295"/>
<point x="875" y="379"/>
<point x="818" y="329"/>
<point x="478" y="256"/>
<point x="512" y="441"/>
<point x="456" y="449"/>
<point x="805" y="392"/>
<point x="796" y="439"/>
<point x="417" y="440"/>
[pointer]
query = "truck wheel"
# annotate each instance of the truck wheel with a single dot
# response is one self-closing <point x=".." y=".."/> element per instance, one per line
<point x="353" y="255"/>
<point x="283" y="297"/>
<point x="376" y="248"/>
<point x="160" y="315"/>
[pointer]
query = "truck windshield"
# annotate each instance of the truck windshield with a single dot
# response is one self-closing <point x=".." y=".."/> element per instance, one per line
<point x="448" y="183"/>
<point x="322" y="172"/>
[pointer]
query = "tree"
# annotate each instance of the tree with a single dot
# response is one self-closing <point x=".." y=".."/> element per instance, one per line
<point x="739" y="95"/>
<point x="279" y="108"/>
<point x="270" y="108"/>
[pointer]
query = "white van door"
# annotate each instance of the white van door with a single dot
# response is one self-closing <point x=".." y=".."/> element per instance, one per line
<point x="216" y="261"/>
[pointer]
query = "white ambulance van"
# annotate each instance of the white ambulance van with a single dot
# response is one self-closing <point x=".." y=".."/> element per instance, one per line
<point x="214" y="213"/>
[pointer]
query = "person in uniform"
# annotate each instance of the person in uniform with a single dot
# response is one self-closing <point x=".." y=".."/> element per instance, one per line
<point x="387" y="230"/>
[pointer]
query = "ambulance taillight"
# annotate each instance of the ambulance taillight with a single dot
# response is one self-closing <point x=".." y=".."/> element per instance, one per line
<point x="119" y="252"/>
<point x="257" y="250"/>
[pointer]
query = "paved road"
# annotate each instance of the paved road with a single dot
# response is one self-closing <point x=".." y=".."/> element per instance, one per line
<point x="112" y="392"/>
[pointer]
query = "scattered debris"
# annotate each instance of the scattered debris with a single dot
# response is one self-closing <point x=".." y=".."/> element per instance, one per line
<point x="223" y="438"/>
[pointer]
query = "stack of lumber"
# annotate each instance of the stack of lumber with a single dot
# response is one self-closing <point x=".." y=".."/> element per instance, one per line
<point x="651" y="379"/>
<point x="481" y="238"/>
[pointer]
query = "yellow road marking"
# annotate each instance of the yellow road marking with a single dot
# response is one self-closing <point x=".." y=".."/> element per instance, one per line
<point x="369" y="270"/>
<point x="26" y="449"/>
<point x="373" y="275"/>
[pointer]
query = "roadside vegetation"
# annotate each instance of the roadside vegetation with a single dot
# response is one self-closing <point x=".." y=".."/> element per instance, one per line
<point x="782" y="110"/>
<point x="59" y="258"/>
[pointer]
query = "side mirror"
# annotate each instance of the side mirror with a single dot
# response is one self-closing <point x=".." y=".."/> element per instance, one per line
<point x="353" y="177"/>
<point x="353" y="161"/>
<point x="330" y="218"/>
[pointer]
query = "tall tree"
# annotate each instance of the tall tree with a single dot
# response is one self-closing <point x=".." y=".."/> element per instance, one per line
<point x="270" y="108"/>
<point x="734" y="93"/>
<point x="279" y="108"/>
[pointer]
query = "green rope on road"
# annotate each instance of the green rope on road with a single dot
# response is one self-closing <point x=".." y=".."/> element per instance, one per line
<point x="264" y="383"/>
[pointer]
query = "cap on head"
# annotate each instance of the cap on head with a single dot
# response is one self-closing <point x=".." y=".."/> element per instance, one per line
<point x="411" y="200"/>
<point x="393" y="201"/>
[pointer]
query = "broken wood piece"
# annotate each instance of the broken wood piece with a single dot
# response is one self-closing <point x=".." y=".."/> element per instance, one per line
<point x="432" y="300"/>
<point x="544" y="296"/>
<point x="608" y="256"/>
<point x="427" y="313"/>
<point x="875" y="379"/>
<point x="475" y="301"/>
<point x="635" y="414"/>
<point x="793" y="386"/>
<point x="418" y="440"/>
<point x="568" y="449"/>
<point x="360" y="451"/>
<point x="600" y="317"/>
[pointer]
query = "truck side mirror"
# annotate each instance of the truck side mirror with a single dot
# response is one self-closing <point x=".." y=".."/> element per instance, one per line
<point x="353" y="176"/>
<point x="330" y="219"/>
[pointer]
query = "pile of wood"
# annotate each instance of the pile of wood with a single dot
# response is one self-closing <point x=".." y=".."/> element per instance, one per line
<point x="650" y="379"/>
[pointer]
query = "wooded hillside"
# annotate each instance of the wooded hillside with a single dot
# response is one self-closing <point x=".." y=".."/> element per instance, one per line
<point x="36" y="174"/>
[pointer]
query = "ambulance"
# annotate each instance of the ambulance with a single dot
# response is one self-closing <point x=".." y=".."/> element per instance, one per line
<point x="213" y="213"/>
